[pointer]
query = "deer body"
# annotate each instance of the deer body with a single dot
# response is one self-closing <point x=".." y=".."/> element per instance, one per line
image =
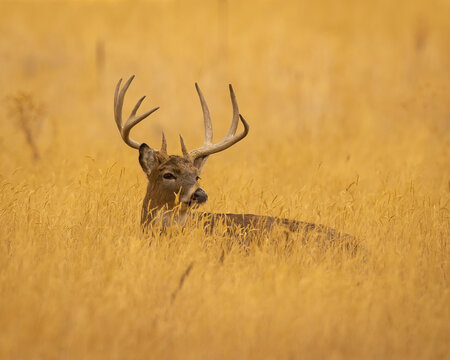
<point x="173" y="189"/>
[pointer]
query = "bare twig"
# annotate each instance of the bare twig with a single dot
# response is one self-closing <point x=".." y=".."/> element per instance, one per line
<point x="181" y="282"/>
<point x="29" y="116"/>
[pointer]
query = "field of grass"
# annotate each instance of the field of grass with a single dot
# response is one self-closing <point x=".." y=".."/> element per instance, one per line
<point x="349" y="108"/>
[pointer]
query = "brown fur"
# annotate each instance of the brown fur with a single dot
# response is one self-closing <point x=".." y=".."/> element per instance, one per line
<point x="169" y="201"/>
<point x="165" y="194"/>
<point x="173" y="180"/>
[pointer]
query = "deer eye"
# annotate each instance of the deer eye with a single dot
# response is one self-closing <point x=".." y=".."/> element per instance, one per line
<point x="197" y="178"/>
<point x="169" y="176"/>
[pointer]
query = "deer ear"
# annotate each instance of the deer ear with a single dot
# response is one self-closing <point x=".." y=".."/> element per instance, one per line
<point x="200" y="162"/>
<point x="147" y="158"/>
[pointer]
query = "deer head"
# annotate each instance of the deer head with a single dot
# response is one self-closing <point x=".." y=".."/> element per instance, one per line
<point x="173" y="179"/>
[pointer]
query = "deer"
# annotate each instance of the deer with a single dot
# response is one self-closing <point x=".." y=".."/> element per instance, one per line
<point x="173" y="190"/>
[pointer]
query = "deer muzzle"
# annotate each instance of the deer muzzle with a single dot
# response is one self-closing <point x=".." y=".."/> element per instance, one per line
<point x="199" y="196"/>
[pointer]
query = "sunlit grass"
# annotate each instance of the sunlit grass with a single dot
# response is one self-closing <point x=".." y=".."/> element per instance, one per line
<point x="348" y="106"/>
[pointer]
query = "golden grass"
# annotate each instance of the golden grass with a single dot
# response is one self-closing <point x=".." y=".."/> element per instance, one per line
<point x="348" y="104"/>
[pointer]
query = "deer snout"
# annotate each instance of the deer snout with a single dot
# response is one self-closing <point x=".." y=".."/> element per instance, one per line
<point x="199" y="196"/>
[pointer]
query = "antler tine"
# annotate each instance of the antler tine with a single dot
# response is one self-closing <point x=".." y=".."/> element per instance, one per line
<point x="235" y="121"/>
<point x="163" y="144"/>
<point x="183" y="147"/>
<point x="230" y="138"/>
<point x="206" y="117"/>
<point x="132" y="120"/>
<point x="117" y="107"/>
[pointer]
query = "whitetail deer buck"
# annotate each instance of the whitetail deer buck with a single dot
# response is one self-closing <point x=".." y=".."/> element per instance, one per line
<point x="173" y="188"/>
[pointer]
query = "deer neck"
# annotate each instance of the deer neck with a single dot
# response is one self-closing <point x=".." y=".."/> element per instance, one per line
<point x="157" y="209"/>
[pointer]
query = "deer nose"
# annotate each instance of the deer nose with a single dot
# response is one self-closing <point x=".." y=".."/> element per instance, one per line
<point x="199" y="196"/>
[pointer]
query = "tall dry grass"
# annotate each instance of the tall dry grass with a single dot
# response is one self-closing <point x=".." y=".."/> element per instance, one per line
<point x="348" y="104"/>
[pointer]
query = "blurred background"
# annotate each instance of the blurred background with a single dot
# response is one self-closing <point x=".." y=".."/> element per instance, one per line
<point x="349" y="111"/>
<point x="298" y="67"/>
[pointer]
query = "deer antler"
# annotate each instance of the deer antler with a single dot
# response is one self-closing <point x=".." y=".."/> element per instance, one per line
<point x="230" y="138"/>
<point x="132" y="119"/>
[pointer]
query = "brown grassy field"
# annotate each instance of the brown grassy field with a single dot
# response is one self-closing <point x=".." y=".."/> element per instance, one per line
<point x="349" y="109"/>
